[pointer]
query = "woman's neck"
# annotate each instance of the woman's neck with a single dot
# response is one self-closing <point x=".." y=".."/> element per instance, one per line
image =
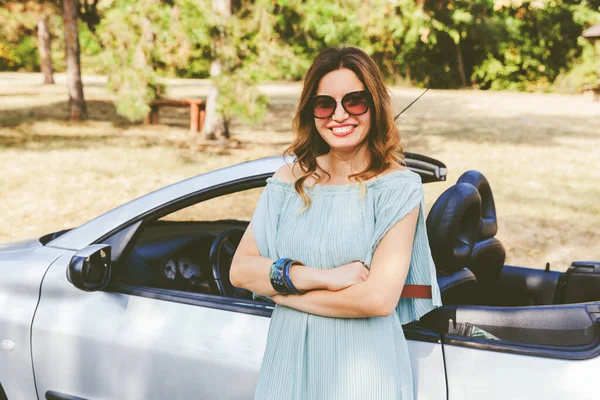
<point x="341" y="164"/>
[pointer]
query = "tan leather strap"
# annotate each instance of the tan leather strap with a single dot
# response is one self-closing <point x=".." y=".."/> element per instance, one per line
<point x="416" y="292"/>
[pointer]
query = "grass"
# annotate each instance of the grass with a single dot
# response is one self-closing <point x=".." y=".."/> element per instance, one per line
<point x="538" y="151"/>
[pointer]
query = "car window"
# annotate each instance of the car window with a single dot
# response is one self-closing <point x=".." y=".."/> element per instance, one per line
<point x="173" y="252"/>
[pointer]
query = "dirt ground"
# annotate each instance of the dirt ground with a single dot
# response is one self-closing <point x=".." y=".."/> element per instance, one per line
<point x="540" y="153"/>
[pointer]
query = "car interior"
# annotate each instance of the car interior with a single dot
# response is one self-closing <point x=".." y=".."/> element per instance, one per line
<point x="486" y="303"/>
<point x="514" y="304"/>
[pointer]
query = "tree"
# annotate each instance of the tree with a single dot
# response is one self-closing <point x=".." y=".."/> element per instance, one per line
<point x="536" y="41"/>
<point x="215" y="122"/>
<point x="143" y="39"/>
<point x="77" y="105"/>
<point x="462" y="25"/>
<point x="137" y="39"/>
<point x="20" y="21"/>
<point x="44" y="50"/>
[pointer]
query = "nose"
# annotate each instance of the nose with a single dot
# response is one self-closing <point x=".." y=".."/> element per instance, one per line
<point x="340" y="113"/>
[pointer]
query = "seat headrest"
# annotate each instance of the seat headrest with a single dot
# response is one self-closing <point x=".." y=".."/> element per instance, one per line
<point x="488" y="225"/>
<point x="452" y="227"/>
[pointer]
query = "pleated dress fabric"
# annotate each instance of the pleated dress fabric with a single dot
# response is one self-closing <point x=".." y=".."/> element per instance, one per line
<point x="313" y="357"/>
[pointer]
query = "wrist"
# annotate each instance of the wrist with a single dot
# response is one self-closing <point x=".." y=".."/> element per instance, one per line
<point x="307" y="278"/>
<point x="327" y="281"/>
<point x="287" y="278"/>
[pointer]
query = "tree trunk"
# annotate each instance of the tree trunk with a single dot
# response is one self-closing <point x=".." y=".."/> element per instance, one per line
<point x="461" y="66"/>
<point x="214" y="122"/>
<point x="44" y="50"/>
<point x="77" y="106"/>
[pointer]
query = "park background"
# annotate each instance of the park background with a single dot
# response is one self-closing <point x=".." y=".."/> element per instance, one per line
<point x="77" y="77"/>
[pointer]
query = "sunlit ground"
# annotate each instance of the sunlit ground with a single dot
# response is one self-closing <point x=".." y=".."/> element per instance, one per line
<point x="540" y="153"/>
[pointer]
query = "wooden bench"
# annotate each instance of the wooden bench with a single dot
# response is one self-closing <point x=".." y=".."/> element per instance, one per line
<point x="594" y="88"/>
<point x="197" y="111"/>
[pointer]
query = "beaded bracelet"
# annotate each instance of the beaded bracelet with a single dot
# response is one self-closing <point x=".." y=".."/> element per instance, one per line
<point x="287" y="279"/>
<point x="276" y="276"/>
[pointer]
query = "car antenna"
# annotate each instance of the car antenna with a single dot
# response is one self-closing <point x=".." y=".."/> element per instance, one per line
<point x="421" y="95"/>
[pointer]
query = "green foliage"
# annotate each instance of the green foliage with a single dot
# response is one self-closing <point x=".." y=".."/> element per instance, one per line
<point x="91" y="50"/>
<point x="303" y="28"/>
<point x="8" y="59"/>
<point x="246" y="48"/>
<point x="536" y="45"/>
<point x="585" y="70"/>
<point x="521" y="45"/>
<point x="18" y="44"/>
<point x="493" y="74"/>
<point x="27" y="53"/>
<point x="143" y="41"/>
<point x="138" y="38"/>
<point x="511" y="44"/>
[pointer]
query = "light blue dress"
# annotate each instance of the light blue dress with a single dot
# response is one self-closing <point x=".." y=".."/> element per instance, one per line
<point x="313" y="357"/>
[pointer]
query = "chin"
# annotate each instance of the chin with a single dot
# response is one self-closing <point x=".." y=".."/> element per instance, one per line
<point x="343" y="146"/>
<point x="344" y="143"/>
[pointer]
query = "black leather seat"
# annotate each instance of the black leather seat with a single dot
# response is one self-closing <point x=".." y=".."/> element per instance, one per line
<point x="452" y="226"/>
<point x="488" y="254"/>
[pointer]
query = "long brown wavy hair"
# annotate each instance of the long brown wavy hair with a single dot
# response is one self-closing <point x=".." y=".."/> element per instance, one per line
<point x="383" y="140"/>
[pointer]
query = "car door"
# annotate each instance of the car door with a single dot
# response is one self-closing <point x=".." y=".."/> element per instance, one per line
<point x="144" y="345"/>
<point x="537" y="352"/>
<point x="477" y="374"/>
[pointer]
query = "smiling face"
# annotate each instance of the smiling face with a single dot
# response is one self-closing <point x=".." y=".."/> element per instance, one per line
<point x="342" y="131"/>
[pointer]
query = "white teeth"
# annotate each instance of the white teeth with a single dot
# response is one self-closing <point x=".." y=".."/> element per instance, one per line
<point x="343" y="129"/>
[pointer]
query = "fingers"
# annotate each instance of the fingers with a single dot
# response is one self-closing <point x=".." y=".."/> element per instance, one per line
<point x="361" y="271"/>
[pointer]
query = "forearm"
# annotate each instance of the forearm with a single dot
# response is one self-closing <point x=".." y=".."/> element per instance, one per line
<point x="252" y="273"/>
<point x="357" y="301"/>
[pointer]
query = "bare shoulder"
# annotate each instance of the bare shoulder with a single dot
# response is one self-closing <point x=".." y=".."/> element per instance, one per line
<point x="285" y="173"/>
<point x="393" y="168"/>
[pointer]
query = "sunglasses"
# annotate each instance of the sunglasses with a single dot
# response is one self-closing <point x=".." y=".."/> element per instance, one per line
<point x="355" y="103"/>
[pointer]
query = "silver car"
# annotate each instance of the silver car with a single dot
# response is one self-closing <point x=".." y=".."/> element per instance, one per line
<point x="137" y="303"/>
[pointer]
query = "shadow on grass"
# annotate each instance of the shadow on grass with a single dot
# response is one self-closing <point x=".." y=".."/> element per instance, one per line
<point x="456" y="119"/>
<point x="46" y="127"/>
<point x="98" y="110"/>
<point x="533" y="131"/>
<point x="62" y="142"/>
<point x="49" y="142"/>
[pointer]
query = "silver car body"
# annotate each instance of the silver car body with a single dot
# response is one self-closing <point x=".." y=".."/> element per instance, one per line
<point x="22" y="268"/>
<point x="60" y="341"/>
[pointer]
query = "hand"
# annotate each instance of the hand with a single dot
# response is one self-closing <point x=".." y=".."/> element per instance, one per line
<point x="346" y="275"/>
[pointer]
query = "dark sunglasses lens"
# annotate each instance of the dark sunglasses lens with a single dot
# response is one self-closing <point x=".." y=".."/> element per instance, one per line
<point x="324" y="106"/>
<point x="356" y="103"/>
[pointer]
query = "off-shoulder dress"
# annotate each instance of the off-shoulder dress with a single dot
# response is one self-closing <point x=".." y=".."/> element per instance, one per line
<point x="314" y="357"/>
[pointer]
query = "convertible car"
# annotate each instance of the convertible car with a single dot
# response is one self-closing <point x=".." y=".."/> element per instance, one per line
<point x="137" y="303"/>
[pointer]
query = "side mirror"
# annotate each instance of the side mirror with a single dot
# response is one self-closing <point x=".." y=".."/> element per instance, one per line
<point x="89" y="269"/>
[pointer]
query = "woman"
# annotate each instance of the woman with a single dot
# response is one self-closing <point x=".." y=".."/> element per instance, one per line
<point x="349" y="220"/>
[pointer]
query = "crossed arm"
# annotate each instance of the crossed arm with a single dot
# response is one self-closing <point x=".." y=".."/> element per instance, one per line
<point x="378" y="295"/>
